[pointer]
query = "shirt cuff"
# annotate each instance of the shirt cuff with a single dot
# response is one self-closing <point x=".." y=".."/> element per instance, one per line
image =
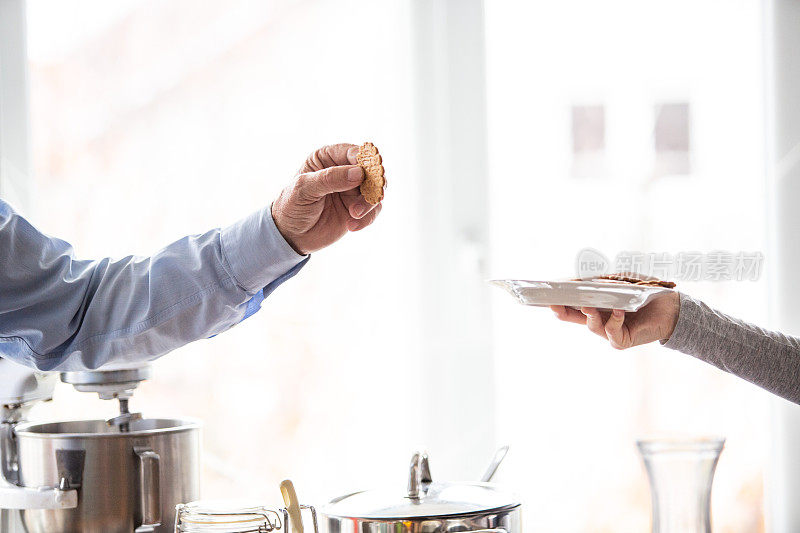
<point x="686" y="331"/>
<point x="256" y="252"/>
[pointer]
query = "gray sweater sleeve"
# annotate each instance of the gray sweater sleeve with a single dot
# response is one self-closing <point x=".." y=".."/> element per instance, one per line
<point x="768" y="359"/>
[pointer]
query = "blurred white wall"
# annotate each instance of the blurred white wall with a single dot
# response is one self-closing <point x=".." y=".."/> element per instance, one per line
<point x="782" y="84"/>
<point x="452" y="171"/>
<point x="15" y="182"/>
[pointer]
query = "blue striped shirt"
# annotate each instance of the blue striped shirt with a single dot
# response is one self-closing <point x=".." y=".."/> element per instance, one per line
<point x="58" y="312"/>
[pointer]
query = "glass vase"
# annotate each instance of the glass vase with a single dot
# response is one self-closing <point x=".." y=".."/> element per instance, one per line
<point x="681" y="472"/>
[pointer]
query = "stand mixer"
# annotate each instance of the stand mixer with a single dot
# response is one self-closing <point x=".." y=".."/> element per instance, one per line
<point x="20" y="389"/>
<point x="91" y="475"/>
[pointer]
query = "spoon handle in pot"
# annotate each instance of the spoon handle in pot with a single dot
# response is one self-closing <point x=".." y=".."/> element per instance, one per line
<point x="499" y="455"/>
<point x="292" y="505"/>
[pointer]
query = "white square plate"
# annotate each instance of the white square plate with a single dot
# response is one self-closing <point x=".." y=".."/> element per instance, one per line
<point x="601" y="295"/>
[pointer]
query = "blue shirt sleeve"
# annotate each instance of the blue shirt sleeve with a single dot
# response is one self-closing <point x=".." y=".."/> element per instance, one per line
<point x="62" y="313"/>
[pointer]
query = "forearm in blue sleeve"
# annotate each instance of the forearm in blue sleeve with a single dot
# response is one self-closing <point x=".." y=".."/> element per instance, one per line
<point x="61" y="313"/>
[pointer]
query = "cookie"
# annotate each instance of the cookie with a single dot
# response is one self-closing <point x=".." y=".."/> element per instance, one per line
<point x="370" y="160"/>
<point x="637" y="281"/>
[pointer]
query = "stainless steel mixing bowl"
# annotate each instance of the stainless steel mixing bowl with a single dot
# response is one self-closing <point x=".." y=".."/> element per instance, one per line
<point x="126" y="482"/>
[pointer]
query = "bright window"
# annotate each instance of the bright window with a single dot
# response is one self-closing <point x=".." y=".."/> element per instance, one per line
<point x="671" y="138"/>
<point x="570" y="405"/>
<point x="588" y="140"/>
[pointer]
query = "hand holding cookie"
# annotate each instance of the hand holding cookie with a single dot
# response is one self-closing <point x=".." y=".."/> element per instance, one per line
<point x="326" y="201"/>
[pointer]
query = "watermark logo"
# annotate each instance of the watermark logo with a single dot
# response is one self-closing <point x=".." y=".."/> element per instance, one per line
<point x="591" y="263"/>
<point x="718" y="265"/>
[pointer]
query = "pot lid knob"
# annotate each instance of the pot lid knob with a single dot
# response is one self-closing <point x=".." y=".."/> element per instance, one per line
<point x="419" y="478"/>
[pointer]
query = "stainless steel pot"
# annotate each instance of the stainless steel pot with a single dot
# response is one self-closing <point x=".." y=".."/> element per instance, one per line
<point x="125" y="482"/>
<point x="426" y="507"/>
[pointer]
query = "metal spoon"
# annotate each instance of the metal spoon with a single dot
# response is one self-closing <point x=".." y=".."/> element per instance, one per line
<point x="292" y="505"/>
<point x="499" y="455"/>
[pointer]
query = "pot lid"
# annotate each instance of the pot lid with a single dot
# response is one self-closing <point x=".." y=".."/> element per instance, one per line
<point x="424" y="498"/>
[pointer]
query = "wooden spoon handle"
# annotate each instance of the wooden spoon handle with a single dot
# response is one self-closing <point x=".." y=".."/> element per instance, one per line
<point x="292" y="505"/>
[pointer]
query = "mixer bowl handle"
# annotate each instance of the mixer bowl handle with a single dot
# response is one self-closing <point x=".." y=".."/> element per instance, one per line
<point x="149" y="486"/>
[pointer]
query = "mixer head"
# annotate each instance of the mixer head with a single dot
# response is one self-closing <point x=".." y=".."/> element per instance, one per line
<point x="108" y="384"/>
<point x="118" y="383"/>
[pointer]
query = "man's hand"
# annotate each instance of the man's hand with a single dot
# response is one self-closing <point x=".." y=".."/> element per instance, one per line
<point x="324" y="201"/>
<point x="654" y="322"/>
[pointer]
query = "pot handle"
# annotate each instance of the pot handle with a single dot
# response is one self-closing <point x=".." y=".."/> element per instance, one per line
<point x="149" y="486"/>
<point x="419" y="476"/>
